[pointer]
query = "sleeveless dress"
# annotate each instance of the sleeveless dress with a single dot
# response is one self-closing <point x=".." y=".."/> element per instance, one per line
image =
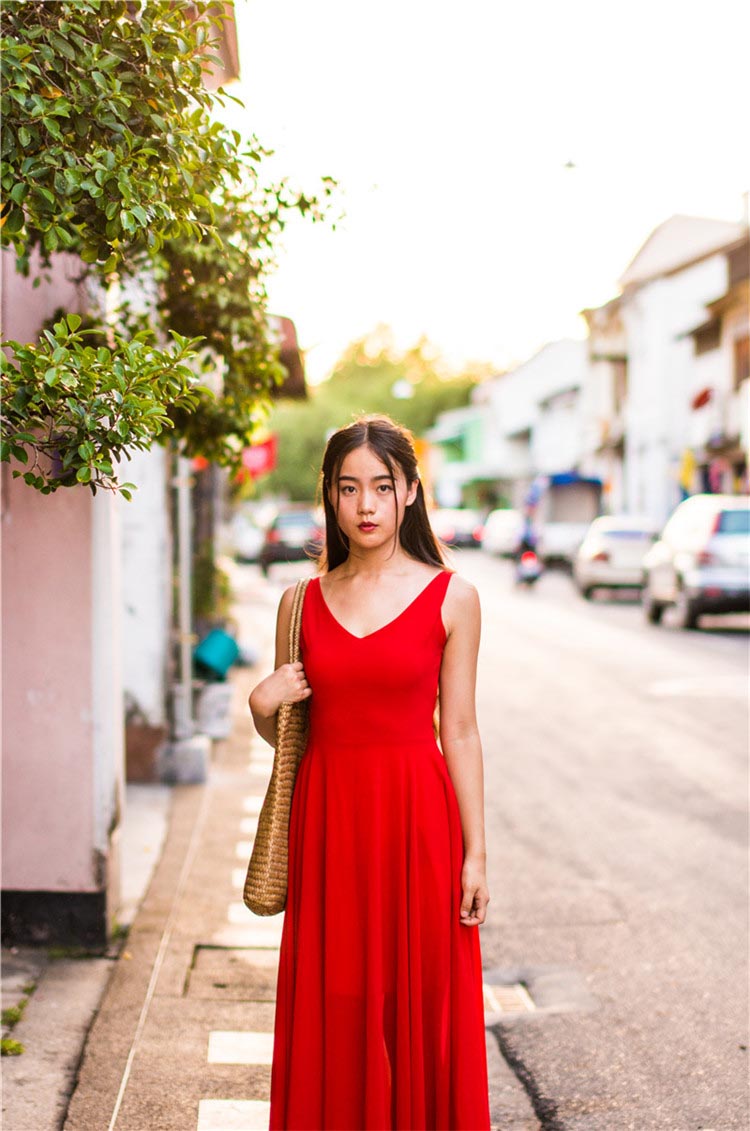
<point x="379" y="1013"/>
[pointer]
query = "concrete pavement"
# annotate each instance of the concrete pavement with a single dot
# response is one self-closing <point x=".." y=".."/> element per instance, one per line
<point x="59" y="992"/>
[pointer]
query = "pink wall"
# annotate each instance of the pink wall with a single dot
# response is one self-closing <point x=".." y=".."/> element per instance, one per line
<point x="47" y="759"/>
<point x="25" y="308"/>
<point x="47" y="797"/>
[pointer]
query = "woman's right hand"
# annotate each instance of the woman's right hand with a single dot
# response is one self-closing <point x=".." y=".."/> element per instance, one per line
<point x="288" y="684"/>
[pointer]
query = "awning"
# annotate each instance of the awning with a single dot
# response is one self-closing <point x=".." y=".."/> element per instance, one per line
<point x="574" y="477"/>
<point x="708" y="327"/>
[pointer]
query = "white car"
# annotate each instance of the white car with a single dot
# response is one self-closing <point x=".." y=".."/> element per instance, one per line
<point x="559" y="541"/>
<point x="502" y="532"/>
<point x="612" y="552"/>
<point x="701" y="562"/>
<point x="246" y="537"/>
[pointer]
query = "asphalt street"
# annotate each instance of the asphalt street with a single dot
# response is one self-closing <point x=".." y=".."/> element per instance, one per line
<point x="616" y="797"/>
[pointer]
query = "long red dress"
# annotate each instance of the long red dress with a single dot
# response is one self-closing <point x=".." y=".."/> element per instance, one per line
<point x="379" y="1013"/>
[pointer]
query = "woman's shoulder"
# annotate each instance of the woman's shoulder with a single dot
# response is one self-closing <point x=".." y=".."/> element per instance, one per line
<point x="461" y="597"/>
<point x="287" y="597"/>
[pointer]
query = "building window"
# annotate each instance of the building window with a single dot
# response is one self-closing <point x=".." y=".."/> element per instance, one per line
<point x="741" y="360"/>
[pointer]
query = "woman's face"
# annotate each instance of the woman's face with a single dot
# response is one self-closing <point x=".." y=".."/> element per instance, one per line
<point x="368" y="510"/>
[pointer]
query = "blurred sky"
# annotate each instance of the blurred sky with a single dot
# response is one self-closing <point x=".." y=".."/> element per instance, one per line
<point x="449" y="127"/>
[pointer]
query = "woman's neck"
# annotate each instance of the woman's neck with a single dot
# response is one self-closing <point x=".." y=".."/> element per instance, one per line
<point x="376" y="562"/>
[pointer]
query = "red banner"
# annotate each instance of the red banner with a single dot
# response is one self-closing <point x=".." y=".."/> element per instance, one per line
<point x="260" y="458"/>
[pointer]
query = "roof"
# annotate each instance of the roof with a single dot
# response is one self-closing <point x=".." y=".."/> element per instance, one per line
<point x="678" y="242"/>
<point x="224" y="47"/>
<point x="610" y="307"/>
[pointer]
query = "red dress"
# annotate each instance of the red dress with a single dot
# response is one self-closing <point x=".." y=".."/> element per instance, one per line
<point x="379" y="1012"/>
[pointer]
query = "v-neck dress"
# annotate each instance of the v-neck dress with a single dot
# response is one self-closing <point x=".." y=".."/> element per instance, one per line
<point x="379" y="1012"/>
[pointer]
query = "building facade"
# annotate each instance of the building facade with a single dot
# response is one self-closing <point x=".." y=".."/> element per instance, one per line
<point x="78" y="629"/>
<point x="655" y="404"/>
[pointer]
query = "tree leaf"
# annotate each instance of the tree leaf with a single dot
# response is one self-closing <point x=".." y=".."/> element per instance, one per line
<point x="13" y="222"/>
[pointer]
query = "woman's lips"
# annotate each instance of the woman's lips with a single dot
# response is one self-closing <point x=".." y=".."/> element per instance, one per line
<point x="367" y="526"/>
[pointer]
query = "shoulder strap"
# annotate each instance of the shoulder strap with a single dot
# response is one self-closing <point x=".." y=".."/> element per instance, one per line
<point x="439" y="586"/>
<point x="295" y="624"/>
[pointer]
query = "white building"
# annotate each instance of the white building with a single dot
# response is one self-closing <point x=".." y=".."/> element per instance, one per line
<point x="655" y="404"/>
<point x="719" y="391"/>
<point x="528" y="422"/>
<point x="538" y="413"/>
<point x="680" y="270"/>
<point x="604" y="398"/>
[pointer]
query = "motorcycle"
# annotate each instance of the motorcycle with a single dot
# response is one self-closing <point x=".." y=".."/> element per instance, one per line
<point x="528" y="568"/>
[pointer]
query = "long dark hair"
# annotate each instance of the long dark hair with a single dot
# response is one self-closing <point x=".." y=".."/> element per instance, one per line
<point x="393" y="445"/>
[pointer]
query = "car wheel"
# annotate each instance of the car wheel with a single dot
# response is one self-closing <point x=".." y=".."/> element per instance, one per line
<point x="687" y="610"/>
<point x="652" y="609"/>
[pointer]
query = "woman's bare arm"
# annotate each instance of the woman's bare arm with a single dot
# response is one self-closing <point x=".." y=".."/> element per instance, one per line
<point x="287" y="683"/>
<point x="460" y="741"/>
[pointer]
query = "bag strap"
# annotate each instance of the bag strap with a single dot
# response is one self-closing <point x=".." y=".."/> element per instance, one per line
<point x="295" y="624"/>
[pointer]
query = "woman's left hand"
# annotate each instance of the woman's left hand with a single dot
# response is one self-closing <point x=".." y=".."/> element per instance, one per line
<point x="475" y="894"/>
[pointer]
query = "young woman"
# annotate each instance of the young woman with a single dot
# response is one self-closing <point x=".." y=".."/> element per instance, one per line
<point x="379" y="1013"/>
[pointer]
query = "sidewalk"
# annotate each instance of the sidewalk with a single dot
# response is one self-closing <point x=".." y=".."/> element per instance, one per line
<point x="58" y="993"/>
<point x="183" y="1035"/>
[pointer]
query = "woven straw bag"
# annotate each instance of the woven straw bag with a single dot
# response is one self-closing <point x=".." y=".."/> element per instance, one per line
<point x="266" y="880"/>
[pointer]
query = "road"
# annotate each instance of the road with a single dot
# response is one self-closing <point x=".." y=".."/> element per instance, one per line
<point x="616" y="797"/>
<point x="616" y="800"/>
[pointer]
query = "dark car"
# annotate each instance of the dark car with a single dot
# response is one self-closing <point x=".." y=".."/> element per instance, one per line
<point x="457" y="527"/>
<point x="294" y="535"/>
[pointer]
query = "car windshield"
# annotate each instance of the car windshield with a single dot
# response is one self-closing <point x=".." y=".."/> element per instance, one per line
<point x="632" y="535"/>
<point x="296" y="518"/>
<point x="734" y="522"/>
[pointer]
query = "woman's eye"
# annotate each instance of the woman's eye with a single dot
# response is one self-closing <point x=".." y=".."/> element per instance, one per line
<point x="384" y="487"/>
<point x="347" y="489"/>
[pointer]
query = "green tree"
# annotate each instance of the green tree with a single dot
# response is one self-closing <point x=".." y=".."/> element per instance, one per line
<point x="220" y="294"/>
<point x="108" y="146"/>
<point x="411" y="386"/>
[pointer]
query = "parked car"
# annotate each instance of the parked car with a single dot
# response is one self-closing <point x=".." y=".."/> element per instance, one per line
<point x="246" y="537"/>
<point x="502" y="531"/>
<point x="559" y="542"/>
<point x="296" y="533"/>
<point x="611" y="554"/>
<point x="457" y="527"/>
<point x="701" y="561"/>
